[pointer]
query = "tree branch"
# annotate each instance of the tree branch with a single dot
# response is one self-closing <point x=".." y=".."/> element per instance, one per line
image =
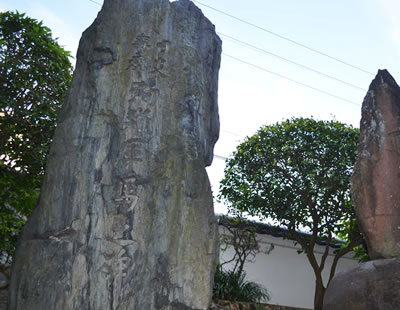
<point x="326" y="252"/>
<point x="341" y="253"/>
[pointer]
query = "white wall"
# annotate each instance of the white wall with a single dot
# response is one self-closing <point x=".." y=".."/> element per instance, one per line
<point x="288" y="276"/>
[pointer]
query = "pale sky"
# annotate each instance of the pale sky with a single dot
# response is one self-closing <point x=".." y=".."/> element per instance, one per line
<point x="363" y="33"/>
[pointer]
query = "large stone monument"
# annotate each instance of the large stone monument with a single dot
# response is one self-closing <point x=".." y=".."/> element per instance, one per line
<point x="125" y="217"/>
<point x="375" y="285"/>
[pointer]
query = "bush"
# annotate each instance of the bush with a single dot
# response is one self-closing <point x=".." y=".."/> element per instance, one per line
<point x="232" y="286"/>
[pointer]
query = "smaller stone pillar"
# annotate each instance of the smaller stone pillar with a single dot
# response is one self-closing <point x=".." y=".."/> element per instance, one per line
<point x="376" y="176"/>
<point x="375" y="285"/>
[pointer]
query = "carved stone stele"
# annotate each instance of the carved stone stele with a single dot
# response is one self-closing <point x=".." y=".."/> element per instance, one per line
<point x="125" y="217"/>
<point x="376" y="176"/>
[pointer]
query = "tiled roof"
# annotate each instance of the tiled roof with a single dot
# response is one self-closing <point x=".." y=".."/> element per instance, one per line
<point x="276" y="231"/>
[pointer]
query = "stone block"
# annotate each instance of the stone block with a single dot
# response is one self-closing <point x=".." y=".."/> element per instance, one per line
<point x="374" y="285"/>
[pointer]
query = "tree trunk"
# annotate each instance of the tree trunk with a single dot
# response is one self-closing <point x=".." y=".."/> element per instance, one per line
<point x="319" y="294"/>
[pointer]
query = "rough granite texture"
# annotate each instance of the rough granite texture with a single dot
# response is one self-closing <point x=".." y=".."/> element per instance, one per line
<point x="3" y="299"/>
<point x="376" y="176"/>
<point x="125" y="217"/>
<point x="374" y="285"/>
<point x="5" y="274"/>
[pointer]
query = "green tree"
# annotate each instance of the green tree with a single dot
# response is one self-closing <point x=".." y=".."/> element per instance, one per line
<point x="35" y="73"/>
<point x="297" y="173"/>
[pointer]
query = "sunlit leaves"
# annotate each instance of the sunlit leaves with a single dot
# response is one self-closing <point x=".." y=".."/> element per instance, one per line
<point x="35" y="73"/>
<point x="296" y="172"/>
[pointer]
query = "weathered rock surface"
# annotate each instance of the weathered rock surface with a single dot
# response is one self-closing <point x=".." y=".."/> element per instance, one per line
<point x="5" y="273"/>
<point x="125" y="217"/>
<point x="3" y="299"/>
<point x="376" y="176"/>
<point x="374" y="285"/>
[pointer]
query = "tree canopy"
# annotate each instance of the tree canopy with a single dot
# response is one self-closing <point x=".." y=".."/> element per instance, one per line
<point x="35" y="73"/>
<point x="297" y="173"/>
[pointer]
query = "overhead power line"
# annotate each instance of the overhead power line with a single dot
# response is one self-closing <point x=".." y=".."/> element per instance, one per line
<point x="277" y="74"/>
<point x="285" y="38"/>
<point x="232" y="133"/>
<point x="291" y="80"/>
<point x="290" y="61"/>
<point x="220" y="157"/>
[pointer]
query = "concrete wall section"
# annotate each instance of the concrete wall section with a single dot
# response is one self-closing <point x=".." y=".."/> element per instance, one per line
<point x="287" y="275"/>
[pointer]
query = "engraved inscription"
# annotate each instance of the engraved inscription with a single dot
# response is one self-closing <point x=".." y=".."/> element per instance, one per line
<point x="141" y="110"/>
<point x="159" y="66"/>
<point x="143" y="58"/>
<point x="142" y="42"/>
<point x="147" y="64"/>
<point x="137" y="62"/>
<point x="114" y="267"/>
<point x="135" y="150"/>
<point x="141" y="118"/>
<point x="140" y="45"/>
<point x="163" y="46"/>
<point x="127" y="193"/>
<point x="160" y="62"/>
<point x="191" y="108"/>
<point x="119" y="226"/>
<point x="143" y="91"/>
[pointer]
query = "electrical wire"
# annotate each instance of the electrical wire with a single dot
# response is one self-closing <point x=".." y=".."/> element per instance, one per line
<point x="277" y="74"/>
<point x="232" y="133"/>
<point x="291" y="80"/>
<point x="220" y="157"/>
<point x="282" y="58"/>
<point x="95" y="2"/>
<point x="290" y="61"/>
<point x="285" y="38"/>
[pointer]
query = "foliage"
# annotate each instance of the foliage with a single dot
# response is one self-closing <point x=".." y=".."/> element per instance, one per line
<point x="35" y="73"/>
<point x="297" y="173"/>
<point x="360" y="251"/>
<point x="242" y="238"/>
<point x="18" y="195"/>
<point x="232" y="286"/>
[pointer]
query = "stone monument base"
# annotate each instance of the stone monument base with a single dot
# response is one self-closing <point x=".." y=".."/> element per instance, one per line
<point x="374" y="285"/>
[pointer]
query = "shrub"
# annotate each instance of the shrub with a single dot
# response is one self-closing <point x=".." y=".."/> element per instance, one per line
<point x="232" y="286"/>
